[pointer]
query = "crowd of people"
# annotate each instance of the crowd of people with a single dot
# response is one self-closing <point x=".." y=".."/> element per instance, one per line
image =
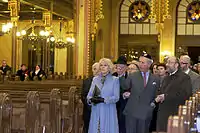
<point x="139" y="96"/>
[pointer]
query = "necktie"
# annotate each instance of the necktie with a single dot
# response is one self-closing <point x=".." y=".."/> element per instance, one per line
<point x="144" y="77"/>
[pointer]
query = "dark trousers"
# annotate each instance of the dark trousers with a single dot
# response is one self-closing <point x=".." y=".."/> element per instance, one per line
<point x="86" y="118"/>
<point x="154" y="119"/>
<point x="134" y="125"/>
<point x="121" y="117"/>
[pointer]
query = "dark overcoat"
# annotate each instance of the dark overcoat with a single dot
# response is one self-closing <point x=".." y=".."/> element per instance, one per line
<point x="177" y="88"/>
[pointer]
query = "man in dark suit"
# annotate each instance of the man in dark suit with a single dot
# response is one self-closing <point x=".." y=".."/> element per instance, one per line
<point x="176" y="88"/>
<point x="195" y="78"/>
<point x="121" y="66"/>
<point x="4" y="68"/>
<point x="86" y="87"/>
<point x="140" y="105"/>
<point x="23" y="72"/>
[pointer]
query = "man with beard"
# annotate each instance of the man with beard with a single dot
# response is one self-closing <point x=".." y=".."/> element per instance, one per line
<point x="84" y="93"/>
<point x="176" y="88"/>
<point x="185" y="66"/>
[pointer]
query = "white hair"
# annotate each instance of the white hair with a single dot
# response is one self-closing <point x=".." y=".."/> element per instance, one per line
<point x="95" y="64"/>
<point x="108" y="62"/>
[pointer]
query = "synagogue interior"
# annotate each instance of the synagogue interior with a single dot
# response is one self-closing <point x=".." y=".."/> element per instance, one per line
<point x="48" y="55"/>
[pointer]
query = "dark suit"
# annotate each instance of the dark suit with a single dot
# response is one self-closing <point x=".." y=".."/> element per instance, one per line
<point x="195" y="79"/>
<point x="39" y="74"/>
<point x="121" y="104"/>
<point x="5" y="69"/>
<point x="138" y="110"/>
<point x="177" y="88"/>
<point x="86" y="107"/>
<point x="21" y="74"/>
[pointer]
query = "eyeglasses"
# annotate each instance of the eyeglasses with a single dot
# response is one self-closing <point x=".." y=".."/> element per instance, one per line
<point x="183" y="63"/>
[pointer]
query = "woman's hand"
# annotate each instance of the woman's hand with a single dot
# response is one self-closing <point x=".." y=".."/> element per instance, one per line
<point x="97" y="100"/>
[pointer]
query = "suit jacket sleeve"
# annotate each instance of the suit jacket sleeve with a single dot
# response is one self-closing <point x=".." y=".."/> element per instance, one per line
<point x="127" y="83"/>
<point x="90" y="93"/>
<point x="196" y="84"/>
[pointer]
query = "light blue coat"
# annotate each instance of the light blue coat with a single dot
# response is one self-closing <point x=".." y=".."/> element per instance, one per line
<point x="105" y="112"/>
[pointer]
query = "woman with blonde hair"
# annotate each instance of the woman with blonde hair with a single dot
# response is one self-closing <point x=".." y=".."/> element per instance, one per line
<point x="103" y="95"/>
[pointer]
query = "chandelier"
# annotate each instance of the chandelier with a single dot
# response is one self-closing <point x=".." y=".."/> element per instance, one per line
<point x="33" y="36"/>
<point x="64" y="44"/>
<point x="60" y="42"/>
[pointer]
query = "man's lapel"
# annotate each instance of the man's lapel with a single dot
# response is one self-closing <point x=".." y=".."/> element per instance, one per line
<point x="140" y="81"/>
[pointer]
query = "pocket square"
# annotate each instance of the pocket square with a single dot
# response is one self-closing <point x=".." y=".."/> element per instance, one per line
<point x="154" y="83"/>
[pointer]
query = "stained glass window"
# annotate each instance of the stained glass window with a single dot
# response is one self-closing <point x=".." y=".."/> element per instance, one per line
<point x="194" y="11"/>
<point x="139" y="11"/>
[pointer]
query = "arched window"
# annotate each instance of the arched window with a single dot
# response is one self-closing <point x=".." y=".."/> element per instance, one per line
<point x="134" y="18"/>
<point x="188" y="19"/>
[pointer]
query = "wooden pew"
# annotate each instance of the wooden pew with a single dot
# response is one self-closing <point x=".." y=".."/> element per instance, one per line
<point x="32" y="118"/>
<point x="5" y="113"/>
<point x="62" y="117"/>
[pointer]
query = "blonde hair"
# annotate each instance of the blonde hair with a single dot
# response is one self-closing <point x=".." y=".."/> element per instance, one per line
<point x="108" y="62"/>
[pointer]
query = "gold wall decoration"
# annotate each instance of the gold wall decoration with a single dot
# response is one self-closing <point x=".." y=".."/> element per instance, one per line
<point x="14" y="7"/>
<point x="47" y="18"/>
<point x="96" y="14"/>
<point x="160" y="12"/>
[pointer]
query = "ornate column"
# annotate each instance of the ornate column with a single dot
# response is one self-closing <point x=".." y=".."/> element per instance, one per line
<point x="164" y="24"/>
<point x="47" y="19"/>
<point x="96" y="14"/>
<point x="14" y="7"/>
<point x="87" y="16"/>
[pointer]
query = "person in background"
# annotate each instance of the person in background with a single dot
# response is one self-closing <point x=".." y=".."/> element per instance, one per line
<point x="122" y="73"/>
<point x="154" y="69"/>
<point x="198" y="68"/>
<point x="114" y="71"/>
<point x="133" y="67"/>
<point x="86" y="86"/>
<point x="194" y="67"/>
<point x="175" y="89"/>
<point x="4" y="68"/>
<point x="38" y="72"/>
<point x="23" y="72"/>
<point x="102" y="96"/>
<point x="195" y="78"/>
<point x="162" y="73"/>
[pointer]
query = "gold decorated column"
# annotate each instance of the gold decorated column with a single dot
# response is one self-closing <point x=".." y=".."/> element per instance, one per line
<point x="47" y="19"/>
<point x="14" y="7"/>
<point x="164" y="24"/>
<point x="60" y="55"/>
